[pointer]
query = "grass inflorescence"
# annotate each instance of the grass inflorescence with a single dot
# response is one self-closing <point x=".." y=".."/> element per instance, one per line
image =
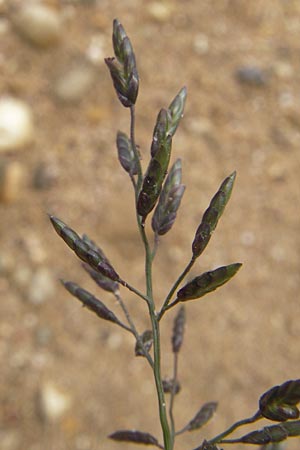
<point x="159" y="191"/>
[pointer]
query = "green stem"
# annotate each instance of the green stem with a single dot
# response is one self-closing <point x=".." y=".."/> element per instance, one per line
<point x="257" y="416"/>
<point x="173" y="393"/>
<point x="174" y="287"/>
<point x="168" y="442"/>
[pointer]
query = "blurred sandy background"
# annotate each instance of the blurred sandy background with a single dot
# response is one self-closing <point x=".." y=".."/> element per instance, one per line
<point x="67" y="379"/>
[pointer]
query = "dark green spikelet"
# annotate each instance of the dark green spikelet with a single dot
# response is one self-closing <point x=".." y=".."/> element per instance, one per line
<point x="138" y="437"/>
<point x="85" y="249"/>
<point x="207" y="282"/>
<point x="212" y="215"/>
<point x="119" y="34"/>
<point x="178" y="330"/>
<point x="169" y="201"/>
<point x="91" y="302"/>
<point x="279" y="403"/>
<point x="270" y="434"/>
<point x="156" y="172"/>
<point x="102" y="265"/>
<point x="176" y="110"/>
<point x="160" y="133"/>
<point x="168" y="120"/>
<point x="126" y="154"/>
<point x="71" y="238"/>
<point x="204" y="414"/>
<point x="93" y="246"/>
<point x="105" y="283"/>
<point x="123" y="67"/>
<point x="67" y="234"/>
<point x="166" y="125"/>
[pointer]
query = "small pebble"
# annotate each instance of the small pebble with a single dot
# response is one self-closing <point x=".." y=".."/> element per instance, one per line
<point x="53" y="403"/>
<point x="283" y="70"/>
<point x="200" y="126"/>
<point x="114" y="340"/>
<point x="4" y="26"/>
<point x="11" y="180"/>
<point x="252" y="76"/>
<point x="41" y="287"/>
<point x="95" y="51"/>
<point x="201" y="44"/>
<point x="16" y="124"/>
<point x="38" y="24"/>
<point x="160" y="11"/>
<point x="75" y="83"/>
<point x="34" y="248"/>
<point x="22" y="276"/>
<point x="247" y="238"/>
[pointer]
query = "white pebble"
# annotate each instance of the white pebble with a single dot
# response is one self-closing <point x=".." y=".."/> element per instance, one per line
<point x="11" y="180"/>
<point x="201" y="44"/>
<point x="42" y="287"/>
<point x="95" y="51"/>
<point x="115" y="340"/>
<point x="53" y="403"/>
<point x="75" y="83"/>
<point x="16" y="124"/>
<point x="247" y="238"/>
<point x="159" y="11"/>
<point x="38" y="23"/>
<point x="284" y="70"/>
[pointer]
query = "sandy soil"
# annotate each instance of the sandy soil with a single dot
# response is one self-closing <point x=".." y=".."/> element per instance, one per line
<point x="244" y="338"/>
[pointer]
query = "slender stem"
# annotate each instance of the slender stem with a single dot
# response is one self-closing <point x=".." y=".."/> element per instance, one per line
<point x="148" y="264"/>
<point x="133" y="329"/>
<point x="173" y="393"/>
<point x="168" y="443"/>
<point x="174" y="287"/>
<point x="257" y="416"/>
<point x="136" y="291"/>
<point x="125" y="327"/>
<point x="182" y="430"/>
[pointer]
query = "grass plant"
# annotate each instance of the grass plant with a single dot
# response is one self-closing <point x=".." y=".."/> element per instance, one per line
<point x="158" y="192"/>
